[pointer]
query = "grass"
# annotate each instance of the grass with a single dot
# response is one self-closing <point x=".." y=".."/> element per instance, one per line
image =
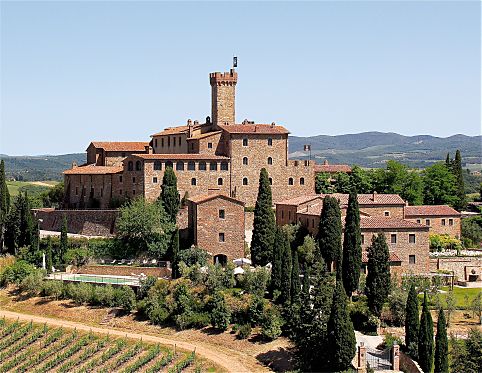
<point x="14" y="187"/>
<point x="463" y="296"/>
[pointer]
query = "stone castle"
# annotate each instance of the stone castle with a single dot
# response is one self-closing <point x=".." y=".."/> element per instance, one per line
<point x="217" y="156"/>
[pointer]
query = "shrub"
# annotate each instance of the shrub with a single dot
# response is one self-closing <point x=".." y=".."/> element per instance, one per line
<point x="396" y="302"/>
<point x="219" y="313"/>
<point x="53" y="288"/>
<point x="256" y="310"/>
<point x="125" y="298"/>
<point x="77" y="256"/>
<point x="105" y="295"/>
<point x="193" y="255"/>
<point x="271" y="324"/>
<point x="255" y="282"/>
<point x="244" y="331"/>
<point x="82" y="293"/>
<point x="146" y="284"/>
<point x="389" y="340"/>
<point x="32" y="284"/>
<point x="15" y="273"/>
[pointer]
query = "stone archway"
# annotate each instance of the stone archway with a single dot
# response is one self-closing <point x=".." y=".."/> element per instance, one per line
<point x="220" y="259"/>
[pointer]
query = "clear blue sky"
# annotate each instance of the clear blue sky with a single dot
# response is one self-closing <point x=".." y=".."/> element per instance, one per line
<point x="73" y="72"/>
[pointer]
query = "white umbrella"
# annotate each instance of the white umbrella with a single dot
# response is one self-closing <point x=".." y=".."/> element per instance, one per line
<point x="269" y="266"/>
<point x="241" y="261"/>
<point x="238" y="271"/>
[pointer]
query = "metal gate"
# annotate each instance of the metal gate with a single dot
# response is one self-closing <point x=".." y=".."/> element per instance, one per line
<point x="378" y="359"/>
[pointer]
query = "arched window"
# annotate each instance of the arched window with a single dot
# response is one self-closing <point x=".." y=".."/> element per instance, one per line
<point x="202" y="166"/>
<point x="180" y="166"/>
<point x="220" y="181"/>
<point x="138" y="165"/>
<point x="224" y="166"/>
<point x="130" y="166"/>
<point x="302" y="181"/>
<point x="157" y="165"/>
<point x="290" y="181"/>
<point x="213" y="166"/>
<point x="191" y="166"/>
<point x="270" y="181"/>
<point x="168" y="164"/>
<point x="245" y="142"/>
<point x="245" y="181"/>
<point x="193" y="181"/>
<point x="270" y="141"/>
<point x="245" y="160"/>
<point x="270" y="160"/>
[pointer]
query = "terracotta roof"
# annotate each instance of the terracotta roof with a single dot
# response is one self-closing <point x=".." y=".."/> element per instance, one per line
<point x="436" y="210"/>
<point x="363" y="199"/>
<point x="94" y="170"/>
<point x="332" y="168"/>
<point x="207" y="197"/>
<point x="120" y="146"/>
<point x="389" y="223"/>
<point x="171" y="131"/>
<point x="393" y="257"/>
<point x="299" y="200"/>
<point x="181" y="156"/>
<point x="264" y="129"/>
<point x="204" y="135"/>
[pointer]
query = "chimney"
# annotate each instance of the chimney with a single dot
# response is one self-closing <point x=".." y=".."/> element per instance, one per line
<point x="374" y="197"/>
<point x="148" y="149"/>
<point x="190" y="127"/>
<point x="74" y="164"/>
<point x="325" y="162"/>
<point x="273" y="124"/>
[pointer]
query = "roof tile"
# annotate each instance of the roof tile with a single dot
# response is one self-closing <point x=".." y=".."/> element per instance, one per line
<point x="94" y="170"/>
<point x="436" y="210"/>
<point x="119" y="146"/>
<point x="263" y="129"/>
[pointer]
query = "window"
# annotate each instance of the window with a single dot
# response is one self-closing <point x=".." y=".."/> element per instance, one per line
<point x="411" y="259"/>
<point x="289" y="215"/>
<point x="179" y="140"/>
<point x="245" y="160"/>
<point x="168" y="141"/>
<point x="312" y="223"/>
<point x="76" y="191"/>
<point x="270" y="160"/>
<point x="157" y="165"/>
<point x="169" y="164"/>
<point x="282" y="214"/>
<point x="270" y="181"/>
<point x="393" y="238"/>
<point x="162" y="142"/>
<point x="213" y="166"/>
<point x="180" y="166"/>
<point x="270" y="141"/>
<point x="245" y="142"/>
<point x="133" y="179"/>
<point x="133" y="192"/>
<point x="419" y="221"/>
<point x="193" y="181"/>
<point x="101" y="192"/>
<point x="210" y="145"/>
<point x="386" y="213"/>
<point x="302" y="181"/>
<point x="174" y="142"/>
<point x="451" y="221"/>
<point x="154" y="180"/>
<point x="120" y="179"/>
<point x="427" y="221"/>
<point x="202" y="166"/>
<point x="224" y="166"/>
<point x="220" y="181"/>
<point x="120" y="192"/>
<point x="290" y="181"/>
<point x="191" y="166"/>
<point x="192" y="146"/>
<point x="221" y="237"/>
<point x="411" y="238"/>
<point x="130" y="166"/>
<point x="245" y="181"/>
<point x="443" y="221"/>
<point x="155" y="143"/>
<point x="138" y="166"/>
<point x="362" y="239"/>
<point x="221" y="214"/>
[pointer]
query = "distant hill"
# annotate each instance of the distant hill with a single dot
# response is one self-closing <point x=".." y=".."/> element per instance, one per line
<point x="40" y="167"/>
<point x="374" y="149"/>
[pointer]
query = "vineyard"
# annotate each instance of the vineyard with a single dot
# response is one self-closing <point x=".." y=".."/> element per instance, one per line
<point x="38" y="348"/>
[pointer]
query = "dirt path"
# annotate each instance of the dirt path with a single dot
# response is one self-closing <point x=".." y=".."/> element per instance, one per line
<point x="218" y="357"/>
<point x="41" y="183"/>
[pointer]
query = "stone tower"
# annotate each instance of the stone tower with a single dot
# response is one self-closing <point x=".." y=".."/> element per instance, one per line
<point x="223" y="92"/>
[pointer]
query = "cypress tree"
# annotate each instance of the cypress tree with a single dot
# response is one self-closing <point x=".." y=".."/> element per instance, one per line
<point x="285" y="296"/>
<point x="48" y="255"/>
<point x="352" y="252"/>
<point x="64" y="241"/>
<point x="4" y="202"/>
<point x="305" y="290"/>
<point x="27" y="226"/>
<point x="425" y="338"/>
<point x="169" y="195"/>
<point x="329" y="231"/>
<point x="447" y="160"/>
<point x="377" y="285"/>
<point x="12" y="225"/>
<point x="295" y="279"/>
<point x="263" y="224"/>
<point x="411" y="322"/>
<point x="341" y="336"/>
<point x="441" y="345"/>
<point x="277" y="262"/>
<point x="175" y="254"/>
<point x="461" y="202"/>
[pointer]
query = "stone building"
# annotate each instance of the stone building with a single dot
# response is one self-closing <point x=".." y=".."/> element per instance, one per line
<point x="218" y="154"/>
<point x="216" y="224"/>
<point x="441" y="219"/>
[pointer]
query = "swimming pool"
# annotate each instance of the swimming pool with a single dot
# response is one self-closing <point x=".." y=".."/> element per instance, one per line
<point x="97" y="279"/>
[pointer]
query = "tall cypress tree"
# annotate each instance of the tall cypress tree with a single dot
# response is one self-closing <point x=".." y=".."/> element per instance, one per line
<point x="175" y="254"/>
<point x="169" y="194"/>
<point x="4" y="202"/>
<point x="277" y="262"/>
<point x="286" y="267"/>
<point x="27" y="227"/>
<point x="341" y="336"/>
<point x="441" y="345"/>
<point x="447" y="161"/>
<point x="329" y="231"/>
<point x="411" y="322"/>
<point x="461" y="202"/>
<point x="377" y="285"/>
<point x="295" y="279"/>
<point x="263" y="224"/>
<point x="352" y="252"/>
<point x="64" y="241"/>
<point x="425" y="338"/>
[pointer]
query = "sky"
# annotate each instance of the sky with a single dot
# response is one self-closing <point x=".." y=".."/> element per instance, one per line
<point x="74" y="72"/>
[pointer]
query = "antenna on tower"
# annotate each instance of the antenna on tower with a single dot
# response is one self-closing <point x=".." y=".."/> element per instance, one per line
<point x="235" y="61"/>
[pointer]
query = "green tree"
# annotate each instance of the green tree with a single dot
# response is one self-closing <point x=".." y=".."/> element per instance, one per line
<point x="263" y="224"/>
<point x="295" y="279"/>
<point x="441" y="345"/>
<point x="461" y="201"/>
<point x="352" y="252"/>
<point x="448" y="162"/>
<point x="220" y="314"/>
<point x="169" y="194"/>
<point x="377" y="285"/>
<point x="342" y="182"/>
<point x="286" y="267"/>
<point x="175" y="254"/>
<point x="439" y="185"/>
<point x="4" y="202"/>
<point x="473" y="345"/>
<point x="425" y="338"/>
<point x="341" y="336"/>
<point x="360" y="180"/>
<point x="277" y="262"/>
<point x="64" y="240"/>
<point x="329" y="231"/>
<point x="48" y="255"/>
<point x="323" y="183"/>
<point x="412" y="322"/>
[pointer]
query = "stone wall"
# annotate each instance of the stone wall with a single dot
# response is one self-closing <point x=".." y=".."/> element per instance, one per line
<point x="450" y="225"/>
<point x="113" y="270"/>
<point x="458" y="265"/>
<point x="394" y="211"/>
<point x="85" y="222"/>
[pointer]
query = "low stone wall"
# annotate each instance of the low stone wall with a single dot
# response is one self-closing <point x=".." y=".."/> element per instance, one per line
<point x="85" y="222"/>
<point x="407" y="365"/>
<point x="113" y="270"/>
<point x="456" y="264"/>
<point x="248" y="220"/>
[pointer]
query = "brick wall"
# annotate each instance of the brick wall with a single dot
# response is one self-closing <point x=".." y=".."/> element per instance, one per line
<point x="440" y="224"/>
<point x="86" y="222"/>
<point x="83" y="189"/>
<point x="457" y="264"/>
<point x="394" y="211"/>
<point x="223" y="91"/>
